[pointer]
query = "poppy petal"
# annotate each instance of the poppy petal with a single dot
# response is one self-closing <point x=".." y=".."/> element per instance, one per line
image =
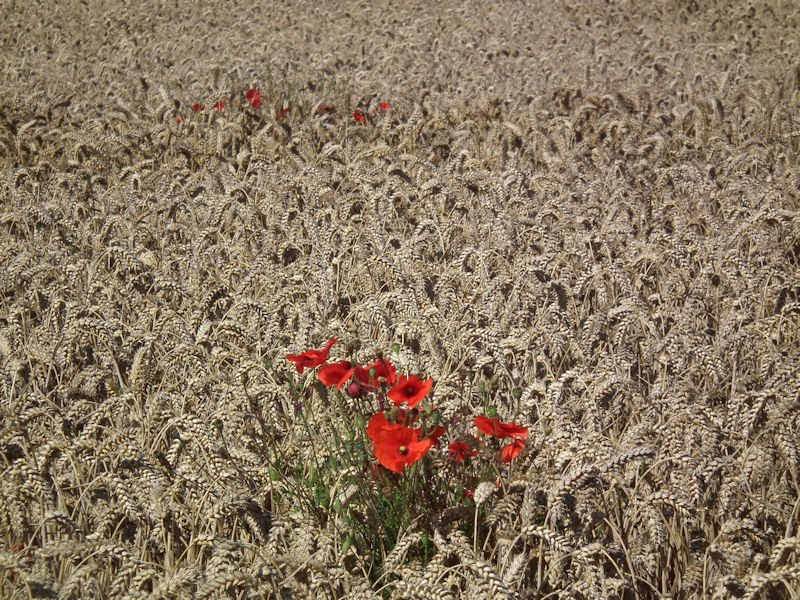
<point x="459" y="451"/>
<point x="378" y="424"/>
<point x="512" y="450"/>
<point x="436" y="434"/>
<point x="253" y="97"/>
<point x="485" y="425"/>
<point x="311" y="358"/>
<point x="334" y="373"/>
<point x="502" y="430"/>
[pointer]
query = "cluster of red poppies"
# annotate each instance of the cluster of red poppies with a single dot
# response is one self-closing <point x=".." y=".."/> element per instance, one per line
<point x="400" y="444"/>
<point x="253" y="96"/>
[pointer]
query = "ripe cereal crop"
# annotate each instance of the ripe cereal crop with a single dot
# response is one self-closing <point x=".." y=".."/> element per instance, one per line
<point x="392" y="300"/>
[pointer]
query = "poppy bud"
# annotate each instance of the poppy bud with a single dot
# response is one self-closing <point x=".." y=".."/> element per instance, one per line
<point x="355" y="390"/>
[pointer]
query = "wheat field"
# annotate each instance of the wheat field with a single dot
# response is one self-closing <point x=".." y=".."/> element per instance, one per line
<point x="584" y="214"/>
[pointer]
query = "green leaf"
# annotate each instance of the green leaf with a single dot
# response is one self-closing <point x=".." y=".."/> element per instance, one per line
<point x="348" y="541"/>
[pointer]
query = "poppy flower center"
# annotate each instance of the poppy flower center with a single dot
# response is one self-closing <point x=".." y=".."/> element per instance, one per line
<point x="403" y="450"/>
<point x="410" y="391"/>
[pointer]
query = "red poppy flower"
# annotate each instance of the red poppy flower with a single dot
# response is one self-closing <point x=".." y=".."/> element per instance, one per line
<point x="324" y="108"/>
<point x="219" y="105"/>
<point x="382" y="370"/>
<point x="384" y="106"/>
<point x="436" y="434"/>
<point x="502" y="430"/>
<point x="396" y="446"/>
<point x="459" y="451"/>
<point x="512" y="450"/>
<point x="367" y="379"/>
<point x="279" y="114"/>
<point x="180" y="120"/>
<point x="311" y="358"/>
<point x="378" y="423"/>
<point x="253" y="97"/>
<point x="334" y="373"/>
<point x="198" y="107"/>
<point x="357" y="380"/>
<point x="358" y="375"/>
<point x="410" y="390"/>
<point x="359" y="116"/>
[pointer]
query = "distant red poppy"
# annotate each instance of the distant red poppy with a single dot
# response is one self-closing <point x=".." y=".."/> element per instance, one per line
<point x="180" y="119"/>
<point x="334" y="373"/>
<point x="410" y="390"/>
<point x="218" y="105"/>
<point x="459" y="451"/>
<point x="324" y="108"/>
<point x="396" y="446"/>
<point x="512" y="450"/>
<point x="198" y="107"/>
<point x="279" y="114"/>
<point x="253" y="97"/>
<point x="502" y="430"/>
<point x="311" y="358"/>
<point x="384" y="106"/>
<point x="359" y="116"/>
